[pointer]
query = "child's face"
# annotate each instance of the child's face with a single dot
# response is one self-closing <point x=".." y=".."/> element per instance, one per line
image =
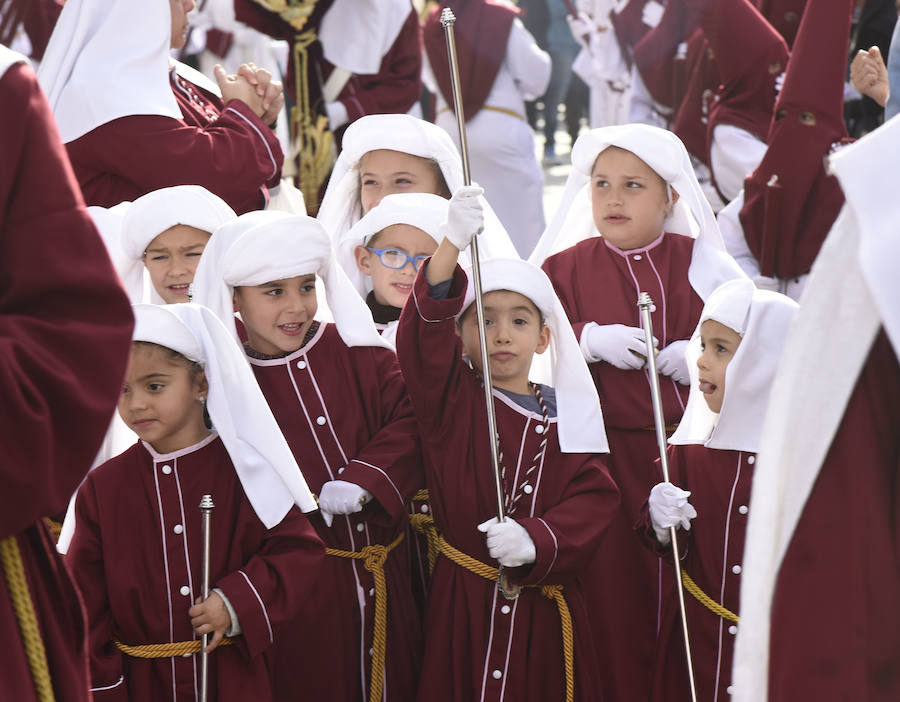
<point x="161" y="401"/>
<point x="277" y="315"/>
<point x="718" y="344"/>
<point x="385" y="172"/>
<point x="628" y="199"/>
<point x="393" y="285"/>
<point x="514" y="335"/>
<point x="180" y="22"/>
<point x="172" y="258"/>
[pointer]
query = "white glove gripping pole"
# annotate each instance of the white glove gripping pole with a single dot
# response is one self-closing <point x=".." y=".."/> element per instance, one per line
<point x="447" y="21"/>
<point x="644" y="304"/>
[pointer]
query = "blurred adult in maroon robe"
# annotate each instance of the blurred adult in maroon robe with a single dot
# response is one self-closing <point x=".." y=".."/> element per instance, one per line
<point x="65" y="326"/>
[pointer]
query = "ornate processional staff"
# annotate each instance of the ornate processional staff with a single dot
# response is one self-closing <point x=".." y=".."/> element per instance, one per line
<point x="644" y="304"/>
<point x="206" y="508"/>
<point x="447" y="21"/>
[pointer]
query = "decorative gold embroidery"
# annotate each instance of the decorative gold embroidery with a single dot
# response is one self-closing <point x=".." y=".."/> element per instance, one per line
<point x="294" y="12"/>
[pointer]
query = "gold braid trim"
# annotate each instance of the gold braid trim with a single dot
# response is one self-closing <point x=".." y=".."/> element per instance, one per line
<point x="706" y="600"/>
<point x="420" y="496"/>
<point x="374" y="557"/>
<point x="295" y="13"/>
<point x="424" y="523"/>
<point x="164" y="650"/>
<point x="14" y="572"/>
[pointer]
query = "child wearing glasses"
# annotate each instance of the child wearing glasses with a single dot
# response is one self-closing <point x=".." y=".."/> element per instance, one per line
<point x="383" y="251"/>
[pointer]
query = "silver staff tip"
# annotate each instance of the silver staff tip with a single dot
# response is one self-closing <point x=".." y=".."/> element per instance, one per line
<point x="447" y="17"/>
<point x="644" y="300"/>
<point x="206" y="502"/>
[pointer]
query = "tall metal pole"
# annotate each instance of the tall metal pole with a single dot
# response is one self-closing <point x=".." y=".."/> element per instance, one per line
<point x="645" y="304"/>
<point x="447" y="21"/>
<point x="206" y="508"/>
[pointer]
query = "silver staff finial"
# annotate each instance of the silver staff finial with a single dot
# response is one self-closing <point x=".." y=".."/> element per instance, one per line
<point x="447" y="17"/>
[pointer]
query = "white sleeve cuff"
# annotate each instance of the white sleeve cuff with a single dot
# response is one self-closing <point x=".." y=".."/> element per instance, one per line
<point x="235" y="628"/>
<point x="337" y="114"/>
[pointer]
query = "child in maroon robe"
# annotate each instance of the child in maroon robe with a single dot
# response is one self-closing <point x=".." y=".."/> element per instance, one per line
<point x="647" y="205"/>
<point x="732" y="358"/>
<point x="338" y="395"/>
<point x="134" y="121"/>
<point x="137" y="546"/>
<point x="558" y="494"/>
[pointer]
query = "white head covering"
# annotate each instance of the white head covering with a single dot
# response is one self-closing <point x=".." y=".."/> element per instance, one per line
<point x="762" y="319"/>
<point x="128" y="228"/>
<point x="107" y="60"/>
<point x="340" y="207"/>
<point x="580" y="419"/>
<point x="691" y="216"/>
<point x="852" y="292"/>
<point x="283" y="246"/>
<point x="240" y="414"/>
<point x="356" y="34"/>
<point x="421" y="210"/>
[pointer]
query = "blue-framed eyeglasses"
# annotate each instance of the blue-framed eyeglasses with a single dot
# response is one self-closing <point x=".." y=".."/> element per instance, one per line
<point x="396" y="259"/>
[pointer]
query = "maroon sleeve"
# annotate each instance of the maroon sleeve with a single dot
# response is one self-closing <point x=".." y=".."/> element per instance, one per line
<point x="430" y="353"/>
<point x="85" y="560"/>
<point x="390" y="464"/>
<point x="65" y="323"/>
<point x="567" y="535"/>
<point x="398" y="83"/>
<point x="233" y="157"/>
<point x="270" y="589"/>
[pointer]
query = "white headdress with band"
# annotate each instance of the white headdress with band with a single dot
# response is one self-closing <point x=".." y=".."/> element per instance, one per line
<point x="423" y="211"/>
<point x="128" y="228"/>
<point x="134" y="35"/>
<point x="239" y="412"/>
<point x="284" y="246"/>
<point x="762" y="319"/>
<point x="341" y="208"/>
<point x="691" y="216"/>
<point x="579" y="417"/>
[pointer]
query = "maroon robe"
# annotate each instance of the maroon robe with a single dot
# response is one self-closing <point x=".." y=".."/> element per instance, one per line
<point x="834" y="634"/>
<point x="712" y="551"/>
<point x="478" y="646"/>
<point x="65" y="334"/>
<point x="598" y="283"/>
<point x="346" y="416"/>
<point x="225" y="148"/>
<point x="136" y="555"/>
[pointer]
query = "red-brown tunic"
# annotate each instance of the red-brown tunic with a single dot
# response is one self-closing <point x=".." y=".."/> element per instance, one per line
<point x="346" y="416"/>
<point x="65" y="333"/>
<point x="712" y="554"/>
<point x="598" y="283"/>
<point x="225" y="148"/>
<point x="478" y="646"/>
<point x="137" y="555"/>
<point x="835" y="610"/>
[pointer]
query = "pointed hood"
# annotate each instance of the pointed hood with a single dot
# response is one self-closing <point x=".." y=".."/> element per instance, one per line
<point x="790" y="202"/>
<point x="749" y="55"/>
<point x="692" y="119"/>
<point x="784" y="15"/>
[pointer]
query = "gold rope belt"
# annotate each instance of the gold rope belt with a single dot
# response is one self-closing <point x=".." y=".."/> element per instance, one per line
<point x="501" y="110"/>
<point x="23" y="606"/>
<point x="165" y="650"/>
<point x="669" y="428"/>
<point x="706" y="600"/>
<point x="424" y="523"/>
<point x="374" y="557"/>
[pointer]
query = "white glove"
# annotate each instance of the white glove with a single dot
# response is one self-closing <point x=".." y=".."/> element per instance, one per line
<point x="620" y="346"/>
<point x="671" y="361"/>
<point x="465" y="216"/>
<point x="669" y="507"/>
<point x="341" y="497"/>
<point x="508" y="542"/>
<point x="581" y="27"/>
<point x="652" y="13"/>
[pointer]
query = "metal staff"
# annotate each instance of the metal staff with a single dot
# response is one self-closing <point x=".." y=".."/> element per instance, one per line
<point x="206" y="508"/>
<point x="447" y="20"/>
<point x="644" y="304"/>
